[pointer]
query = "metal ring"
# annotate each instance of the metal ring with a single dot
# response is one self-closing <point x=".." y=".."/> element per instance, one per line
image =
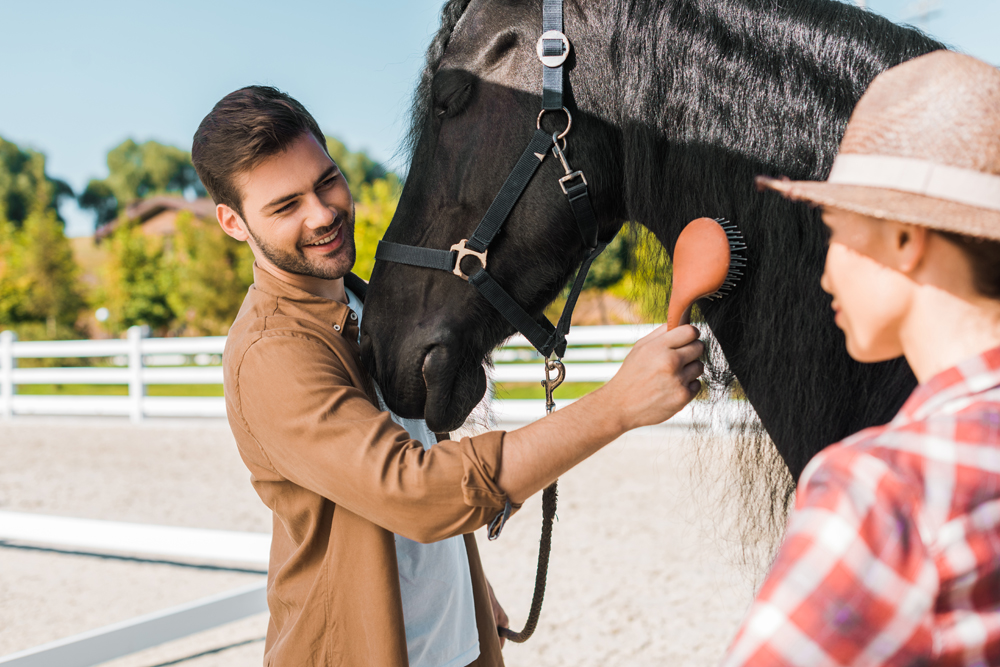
<point x="569" y="121"/>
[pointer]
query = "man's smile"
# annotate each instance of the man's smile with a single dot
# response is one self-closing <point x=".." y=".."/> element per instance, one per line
<point x="328" y="241"/>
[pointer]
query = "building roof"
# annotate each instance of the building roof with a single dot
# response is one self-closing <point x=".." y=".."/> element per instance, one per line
<point x="144" y="210"/>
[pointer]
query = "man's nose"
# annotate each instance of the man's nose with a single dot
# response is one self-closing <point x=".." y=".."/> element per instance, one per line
<point x="318" y="214"/>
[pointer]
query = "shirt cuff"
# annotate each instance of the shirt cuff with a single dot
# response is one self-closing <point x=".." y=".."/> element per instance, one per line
<point x="481" y="457"/>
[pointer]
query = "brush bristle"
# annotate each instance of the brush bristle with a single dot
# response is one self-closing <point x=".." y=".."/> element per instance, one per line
<point x="737" y="258"/>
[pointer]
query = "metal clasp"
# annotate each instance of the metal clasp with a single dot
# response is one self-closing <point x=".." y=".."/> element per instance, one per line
<point x="465" y="252"/>
<point x="553" y="363"/>
<point x="557" y="59"/>
<point x="570" y="173"/>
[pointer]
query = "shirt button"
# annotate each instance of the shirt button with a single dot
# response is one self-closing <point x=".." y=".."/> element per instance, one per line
<point x="336" y="327"/>
<point x="354" y="315"/>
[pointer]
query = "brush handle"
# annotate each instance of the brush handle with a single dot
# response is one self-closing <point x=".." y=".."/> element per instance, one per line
<point x="678" y="314"/>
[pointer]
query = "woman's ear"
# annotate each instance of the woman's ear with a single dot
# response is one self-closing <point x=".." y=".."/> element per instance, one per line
<point x="908" y="245"/>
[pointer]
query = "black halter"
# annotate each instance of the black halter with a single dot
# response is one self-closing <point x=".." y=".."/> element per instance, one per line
<point x="550" y="341"/>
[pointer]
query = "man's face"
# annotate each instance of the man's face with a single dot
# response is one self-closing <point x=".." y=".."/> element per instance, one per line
<point x="299" y="211"/>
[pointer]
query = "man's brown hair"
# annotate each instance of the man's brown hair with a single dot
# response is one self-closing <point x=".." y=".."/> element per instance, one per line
<point x="245" y="128"/>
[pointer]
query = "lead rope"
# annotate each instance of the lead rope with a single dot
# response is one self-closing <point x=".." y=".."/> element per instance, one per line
<point x="549" y="497"/>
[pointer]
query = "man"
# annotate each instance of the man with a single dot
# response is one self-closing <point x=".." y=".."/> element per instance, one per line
<point x="373" y="561"/>
<point x="892" y="555"/>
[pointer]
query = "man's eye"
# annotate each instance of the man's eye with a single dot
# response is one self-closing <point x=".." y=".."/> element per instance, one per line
<point x="285" y="209"/>
<point x="328" y="182"/>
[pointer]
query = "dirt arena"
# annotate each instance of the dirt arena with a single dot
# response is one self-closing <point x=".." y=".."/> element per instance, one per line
<point x="639" y="575"/>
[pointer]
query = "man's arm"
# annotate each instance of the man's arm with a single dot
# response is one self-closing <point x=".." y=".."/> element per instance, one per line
<point x="321" y="432"/>
<point x="657" y="379"/>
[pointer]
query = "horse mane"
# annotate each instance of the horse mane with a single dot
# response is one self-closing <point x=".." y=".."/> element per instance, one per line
<point x="775" y="85"/>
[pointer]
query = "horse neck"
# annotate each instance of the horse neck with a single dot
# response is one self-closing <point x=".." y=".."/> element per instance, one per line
<point x="711" y="93"/>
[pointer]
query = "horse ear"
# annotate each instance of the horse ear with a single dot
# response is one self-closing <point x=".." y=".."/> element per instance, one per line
<point x="452" y="91"/>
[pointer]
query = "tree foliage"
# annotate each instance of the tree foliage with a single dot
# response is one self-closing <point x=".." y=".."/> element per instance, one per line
<point x="373" y="210"/>
<point x="357" y="167"/>
<point x="209" y="276"/>
<point x="135" y="281"/>
<point x="39" y="293"/>
<point x="23" y="180"/>
<point x="137" y="171"/>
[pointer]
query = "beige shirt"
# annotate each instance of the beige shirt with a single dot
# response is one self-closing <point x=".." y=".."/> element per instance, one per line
<point x="341" y="477"/>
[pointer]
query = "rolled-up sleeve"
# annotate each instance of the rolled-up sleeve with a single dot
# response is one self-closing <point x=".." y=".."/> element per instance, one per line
<point x="320" y="431"/>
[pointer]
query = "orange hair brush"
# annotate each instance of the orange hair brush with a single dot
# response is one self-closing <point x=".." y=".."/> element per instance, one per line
<point x="707" y="264"/>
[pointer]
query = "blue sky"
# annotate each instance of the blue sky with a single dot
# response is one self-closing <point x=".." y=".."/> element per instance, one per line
<point x="80" y="77"/>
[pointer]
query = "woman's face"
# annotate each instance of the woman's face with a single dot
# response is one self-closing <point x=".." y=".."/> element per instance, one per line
<point x="870" y="300"/>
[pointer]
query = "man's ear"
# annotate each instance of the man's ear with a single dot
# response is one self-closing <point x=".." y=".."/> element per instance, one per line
<point x="909" y="245"/>
<point x="231" y="222"/>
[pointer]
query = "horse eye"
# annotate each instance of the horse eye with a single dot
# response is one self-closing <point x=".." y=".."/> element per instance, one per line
<point x="452" y="91"/>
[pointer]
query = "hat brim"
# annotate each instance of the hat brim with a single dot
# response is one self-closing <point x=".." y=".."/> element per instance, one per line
<point x="896" y="205"/>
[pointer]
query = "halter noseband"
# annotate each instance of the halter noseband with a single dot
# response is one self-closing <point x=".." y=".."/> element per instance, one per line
<point x="550" y="341"/>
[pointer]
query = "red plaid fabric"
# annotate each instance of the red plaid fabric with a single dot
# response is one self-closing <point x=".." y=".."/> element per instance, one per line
<point x="892" y="554"/>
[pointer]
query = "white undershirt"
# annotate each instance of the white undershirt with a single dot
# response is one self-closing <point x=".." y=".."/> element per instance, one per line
<point x="434" y="580"/>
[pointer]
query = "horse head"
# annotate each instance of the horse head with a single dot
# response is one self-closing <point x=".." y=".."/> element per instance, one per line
<point x="477" y="109"/>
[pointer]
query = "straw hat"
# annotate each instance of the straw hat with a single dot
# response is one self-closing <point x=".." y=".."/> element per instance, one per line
<point x="922" y="147"/>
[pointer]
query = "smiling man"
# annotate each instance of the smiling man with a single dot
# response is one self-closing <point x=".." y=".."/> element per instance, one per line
<point x="373" y="561"/>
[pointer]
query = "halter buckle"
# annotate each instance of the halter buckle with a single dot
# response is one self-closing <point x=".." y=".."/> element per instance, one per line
<point x="557" y="59"/>
<point x="569" y="177"/>
<point x="466" y="252"/>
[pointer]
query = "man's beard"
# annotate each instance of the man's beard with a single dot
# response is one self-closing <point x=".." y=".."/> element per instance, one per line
<point x="296" y="262"/>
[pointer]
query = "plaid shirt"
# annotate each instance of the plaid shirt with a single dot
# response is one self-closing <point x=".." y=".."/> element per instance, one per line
<point x="892" y="555"/>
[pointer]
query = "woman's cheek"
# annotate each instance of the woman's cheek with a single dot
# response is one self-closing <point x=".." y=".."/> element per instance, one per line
<point x="867" y="300"/>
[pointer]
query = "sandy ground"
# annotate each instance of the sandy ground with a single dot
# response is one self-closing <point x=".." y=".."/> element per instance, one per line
<point x="639" y="575"/>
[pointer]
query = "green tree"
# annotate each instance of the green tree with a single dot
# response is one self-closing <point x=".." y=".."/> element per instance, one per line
<point x="39" y="293"/>
<point x="374" y="207"/>
<point x="22" y="173"/>
<point x="610" y="266"/>
<point x="136" y="171"/>
<point x="209" y="276"/>
<point x="48" y="275"/>
<point x="13" y="289"/>
<point x="134" y="281"/>
<point x="357" y="167"/>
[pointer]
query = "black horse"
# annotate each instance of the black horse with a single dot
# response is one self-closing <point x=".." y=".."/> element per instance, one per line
<point x="677" y="105"/>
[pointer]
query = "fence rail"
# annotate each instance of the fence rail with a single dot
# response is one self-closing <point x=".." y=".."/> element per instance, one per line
<point x="594" y="354"/>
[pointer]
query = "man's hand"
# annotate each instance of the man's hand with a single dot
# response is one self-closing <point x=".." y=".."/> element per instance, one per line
<point x="658" y="377"/>
<point x="656" y="380"/>
<point x="499" y="615"/>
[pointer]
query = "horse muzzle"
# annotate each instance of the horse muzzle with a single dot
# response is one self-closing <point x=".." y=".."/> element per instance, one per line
<point x="454" y="386"/>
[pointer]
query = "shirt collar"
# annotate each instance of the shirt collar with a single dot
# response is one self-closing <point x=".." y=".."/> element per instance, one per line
<point x="330" y="312"/>
<point x="972" y="376"/>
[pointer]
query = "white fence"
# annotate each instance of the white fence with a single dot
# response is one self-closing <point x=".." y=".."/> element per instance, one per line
<point x="594" y="355"/>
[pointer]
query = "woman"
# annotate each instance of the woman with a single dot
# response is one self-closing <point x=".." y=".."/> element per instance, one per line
<point x="892" y="555"/>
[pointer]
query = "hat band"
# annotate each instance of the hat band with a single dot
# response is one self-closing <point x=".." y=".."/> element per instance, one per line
<point x="922" y="177"/>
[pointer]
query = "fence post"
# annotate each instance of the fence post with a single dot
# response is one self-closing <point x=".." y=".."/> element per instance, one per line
<point x="136" y="389"/>
<point x="7" y="364"/>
